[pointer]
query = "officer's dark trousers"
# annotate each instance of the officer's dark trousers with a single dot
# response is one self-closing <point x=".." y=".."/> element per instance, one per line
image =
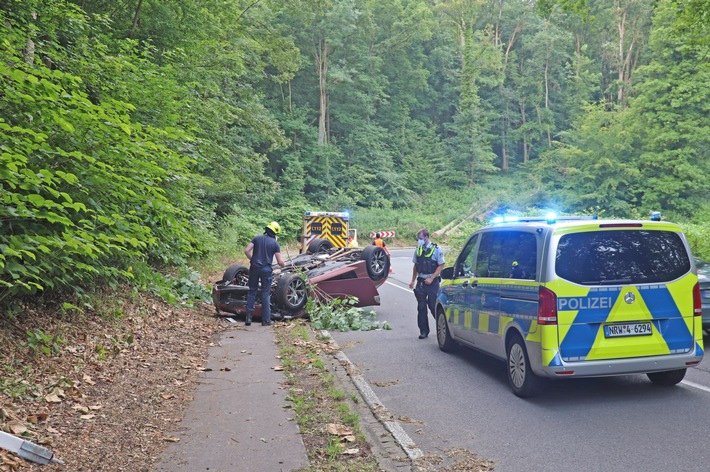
<point x="262" y="275"/>
<point x="426" y="299"/>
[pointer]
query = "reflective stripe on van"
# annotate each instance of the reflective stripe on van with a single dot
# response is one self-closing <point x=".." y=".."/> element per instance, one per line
<point x="625" y="321"/>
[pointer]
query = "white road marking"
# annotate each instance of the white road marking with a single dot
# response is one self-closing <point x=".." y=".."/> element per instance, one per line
<point x="399" y="287"/>
<point x="694" y="385"/>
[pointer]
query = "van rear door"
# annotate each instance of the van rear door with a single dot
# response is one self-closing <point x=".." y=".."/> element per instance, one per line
<point x="623" y="291"/>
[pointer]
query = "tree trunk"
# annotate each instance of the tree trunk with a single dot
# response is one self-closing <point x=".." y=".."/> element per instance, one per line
<point x="136" y="18"/>
<point x="547" y="102"/>
<point x="322" y="64"/>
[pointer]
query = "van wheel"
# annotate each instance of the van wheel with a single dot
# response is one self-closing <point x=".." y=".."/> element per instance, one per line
<point x="522" y="379"/>
<point x="443" y="335"/>
<point x="668" y="378"/>
<point x="318" y="246"/>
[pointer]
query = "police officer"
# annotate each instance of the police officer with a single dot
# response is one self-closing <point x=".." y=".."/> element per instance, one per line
<point x="261" y="251"/>
<point x="428" y="263"/>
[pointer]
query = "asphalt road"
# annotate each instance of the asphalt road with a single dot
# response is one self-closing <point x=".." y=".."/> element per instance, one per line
<point x="463" y="400"/>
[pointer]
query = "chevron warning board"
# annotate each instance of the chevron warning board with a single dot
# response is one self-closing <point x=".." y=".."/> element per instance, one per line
<point x="384" y="234"/>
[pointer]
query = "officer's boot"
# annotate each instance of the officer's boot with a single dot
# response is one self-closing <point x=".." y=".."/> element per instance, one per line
<point x="248" y="320"/>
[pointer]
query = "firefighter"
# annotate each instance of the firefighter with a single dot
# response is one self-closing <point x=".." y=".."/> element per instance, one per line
<point x="261" y="252"/>
<point x="516" y="272"/>
<point x="428" y="263"/>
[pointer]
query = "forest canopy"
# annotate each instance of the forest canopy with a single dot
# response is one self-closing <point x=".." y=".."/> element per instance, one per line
<point x="143" y="130"/>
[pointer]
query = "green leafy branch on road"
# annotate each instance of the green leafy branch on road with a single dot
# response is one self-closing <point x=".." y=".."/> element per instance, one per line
<point x="342" y="314"/>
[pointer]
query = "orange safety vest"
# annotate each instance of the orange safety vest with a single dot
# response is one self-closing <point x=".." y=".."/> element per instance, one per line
<point x="379" y="242"/>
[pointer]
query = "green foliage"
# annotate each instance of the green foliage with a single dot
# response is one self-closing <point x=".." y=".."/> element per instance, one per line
<point x="161" y="131"/>
<point x="183" y="288"/>
<point x="699" y="239"/>
<point x="342" y="315"/>
<point x="42" y="343"/>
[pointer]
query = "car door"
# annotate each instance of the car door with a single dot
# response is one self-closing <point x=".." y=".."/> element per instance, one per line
<point x="459" y="293"/>
<point x="484" y="296"/>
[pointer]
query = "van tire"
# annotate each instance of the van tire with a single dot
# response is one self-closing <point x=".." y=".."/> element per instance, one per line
<point x="318" y="246"/>
<point x="443" y="335"/>
<point x="522" y="379"/>
<point x="667" y="378"/>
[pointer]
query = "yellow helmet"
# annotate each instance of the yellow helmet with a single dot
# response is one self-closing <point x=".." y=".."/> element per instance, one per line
<point x="515" y="263"/>
<point x="274" y="227"/>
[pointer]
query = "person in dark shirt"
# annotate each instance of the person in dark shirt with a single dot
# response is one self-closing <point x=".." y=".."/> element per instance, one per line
<point x="517" y="272"/>
<point x="261" y="252"/>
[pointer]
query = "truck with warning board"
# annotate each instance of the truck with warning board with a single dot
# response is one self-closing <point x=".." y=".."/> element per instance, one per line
<point x="325" y="228"/>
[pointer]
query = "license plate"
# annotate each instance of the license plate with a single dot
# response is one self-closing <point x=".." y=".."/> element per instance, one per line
<point x="627" y="329"/>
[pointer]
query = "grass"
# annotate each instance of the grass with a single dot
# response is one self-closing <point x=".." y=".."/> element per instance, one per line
<point x="316" y="403"/>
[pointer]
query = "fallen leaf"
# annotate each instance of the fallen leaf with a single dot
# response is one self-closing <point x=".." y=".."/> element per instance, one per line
<point x="278" y="368"/>
<point x="52" y="430"/>
<point x="87" y="417"/>
<point x="338" y="429"/>
<point x="95" y="407"/>
<point x="88" y="380"/>
<point x="38" y="418"/>
<point x="349" y="438"/>
<point x="170" y="439"/>
<point x="351" y="451"/>
<point x="53" y="398"/>
<point x="17" y="427"/>
<point x="81" y="409"/>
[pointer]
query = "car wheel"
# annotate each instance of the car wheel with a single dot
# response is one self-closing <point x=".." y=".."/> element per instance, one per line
<point x="377" y="262"/>
<point x="443" y="335"/>
<point x="522" y="379"/>
<point x="291" y="293"/>
<point x="318" y="246"/>
<point x="237" y="274"/>
<point x="668" y="378"/>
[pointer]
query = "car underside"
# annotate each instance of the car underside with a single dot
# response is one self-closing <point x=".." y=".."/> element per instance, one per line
<point x="323" y="273"/>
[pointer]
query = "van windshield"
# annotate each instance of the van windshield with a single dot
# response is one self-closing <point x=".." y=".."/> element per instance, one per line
<point x="621" y="257"/>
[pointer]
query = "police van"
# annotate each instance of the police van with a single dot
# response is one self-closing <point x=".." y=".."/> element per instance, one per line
<point x="575" y="297"/>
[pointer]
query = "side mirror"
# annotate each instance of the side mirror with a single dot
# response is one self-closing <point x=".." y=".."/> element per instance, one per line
<point x="447" y="273"/>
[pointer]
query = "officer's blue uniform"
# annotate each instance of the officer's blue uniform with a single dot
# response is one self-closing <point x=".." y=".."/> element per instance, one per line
<point x="427" y="259"/>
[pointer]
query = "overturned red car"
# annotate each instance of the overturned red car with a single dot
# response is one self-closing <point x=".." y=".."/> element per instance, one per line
<point x="322" y="273"/>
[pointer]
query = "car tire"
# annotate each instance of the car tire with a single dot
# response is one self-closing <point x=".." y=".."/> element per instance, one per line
<point x="443" y="335"/>
<point x="522" y="379"/>
<point x="236" y="274"/>
<point x="291" y="293"/>
<point x="667" y="378"/>
<point x="377" y="262"/>
<point x="318" y="246"/>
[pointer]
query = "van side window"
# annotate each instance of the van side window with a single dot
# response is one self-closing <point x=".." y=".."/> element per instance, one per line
<point x="500" y="249"/>
<point x="464" y="264"/>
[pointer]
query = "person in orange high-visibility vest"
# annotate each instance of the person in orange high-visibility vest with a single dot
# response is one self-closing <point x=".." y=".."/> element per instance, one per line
<point x="379" y="242"/>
